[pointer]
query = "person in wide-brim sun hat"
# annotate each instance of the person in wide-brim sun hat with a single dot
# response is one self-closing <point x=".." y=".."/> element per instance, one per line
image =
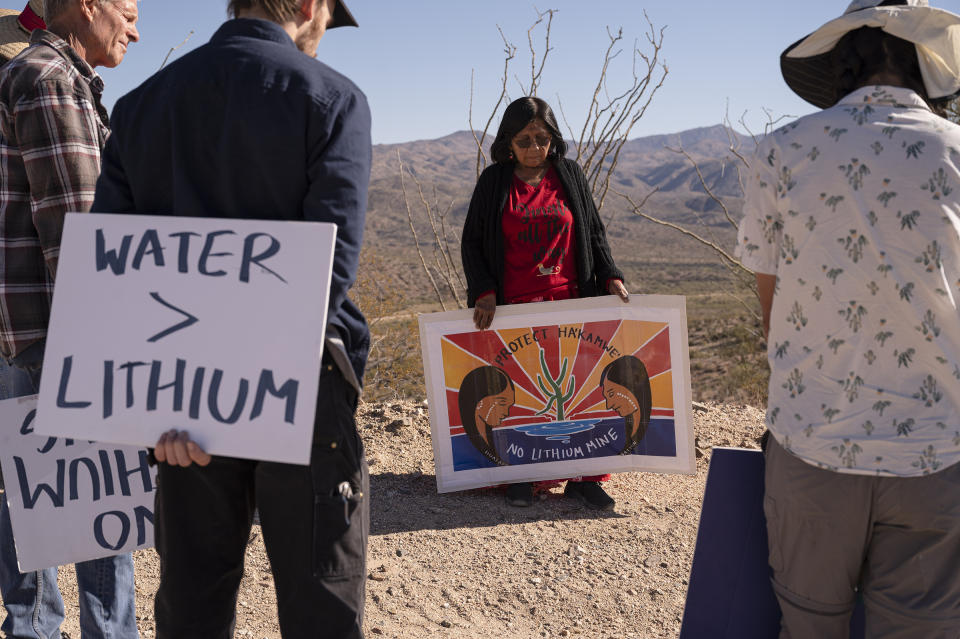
<point x="16" y="26"/>
<point x="809" y="68"/>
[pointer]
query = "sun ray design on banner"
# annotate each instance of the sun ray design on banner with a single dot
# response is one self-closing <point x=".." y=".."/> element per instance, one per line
<point x="556" y="370"/>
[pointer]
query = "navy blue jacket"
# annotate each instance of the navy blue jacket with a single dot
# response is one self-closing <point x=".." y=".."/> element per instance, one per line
<point x="247" y="126"/>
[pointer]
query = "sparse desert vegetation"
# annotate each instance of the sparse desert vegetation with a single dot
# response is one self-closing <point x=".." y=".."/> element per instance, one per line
<point x="727" y="352"/>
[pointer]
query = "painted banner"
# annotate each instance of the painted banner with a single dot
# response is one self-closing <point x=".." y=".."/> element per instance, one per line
<point x="71" y="500"/>
<point x="559" y="389"/>
<point x="211" y="325"/>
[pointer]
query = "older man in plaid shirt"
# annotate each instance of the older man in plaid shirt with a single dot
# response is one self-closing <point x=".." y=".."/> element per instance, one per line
<point x="52" y="130"/>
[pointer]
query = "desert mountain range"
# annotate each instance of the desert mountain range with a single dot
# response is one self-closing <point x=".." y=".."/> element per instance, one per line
<point x="446" y="170"/>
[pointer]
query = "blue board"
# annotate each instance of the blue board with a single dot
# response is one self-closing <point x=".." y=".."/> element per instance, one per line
<point x="730" y="596"/>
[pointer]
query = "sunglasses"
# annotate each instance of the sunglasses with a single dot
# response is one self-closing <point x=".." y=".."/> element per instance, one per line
<point x="542" y="142"/>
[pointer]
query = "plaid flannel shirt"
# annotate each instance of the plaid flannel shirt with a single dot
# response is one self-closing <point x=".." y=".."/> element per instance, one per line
<point x="52" y="130"/>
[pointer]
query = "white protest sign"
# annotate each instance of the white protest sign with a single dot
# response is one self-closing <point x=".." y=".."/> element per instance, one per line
<point x="561" y="389"/>
<point x="71" y="500"/>
<point x="215" y="326"/>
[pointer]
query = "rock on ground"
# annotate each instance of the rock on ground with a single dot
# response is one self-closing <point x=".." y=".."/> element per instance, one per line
<point x="467" y="565"/>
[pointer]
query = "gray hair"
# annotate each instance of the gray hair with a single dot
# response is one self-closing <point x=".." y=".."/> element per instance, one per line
<point x="53" y="8"/>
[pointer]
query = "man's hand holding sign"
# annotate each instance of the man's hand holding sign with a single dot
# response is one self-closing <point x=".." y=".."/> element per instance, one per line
<point x="176" y="448"/>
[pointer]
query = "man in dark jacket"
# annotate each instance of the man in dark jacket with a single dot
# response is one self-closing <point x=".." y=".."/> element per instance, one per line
<point x="247" y="126"/>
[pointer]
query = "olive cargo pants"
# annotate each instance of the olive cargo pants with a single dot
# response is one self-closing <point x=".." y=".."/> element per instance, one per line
<point x="895" y="539"/>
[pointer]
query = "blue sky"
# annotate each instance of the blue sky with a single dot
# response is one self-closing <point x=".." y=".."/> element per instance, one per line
<point x="414" y="59"/>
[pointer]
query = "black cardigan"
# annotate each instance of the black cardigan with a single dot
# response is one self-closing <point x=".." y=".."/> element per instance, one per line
<point x="482" y="245"/>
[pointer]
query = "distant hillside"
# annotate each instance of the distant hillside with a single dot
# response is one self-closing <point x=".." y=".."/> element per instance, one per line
<point x="446" y="169"/>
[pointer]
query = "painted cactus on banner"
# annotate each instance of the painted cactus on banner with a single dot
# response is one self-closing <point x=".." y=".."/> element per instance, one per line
<point x="557" y="396"/>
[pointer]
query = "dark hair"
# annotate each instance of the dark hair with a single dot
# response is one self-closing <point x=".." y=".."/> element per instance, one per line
<point x="519" y="114"/>
<point x="629" y="372"/>
<point x="868" y="51"/>
<point x="479" y="383"/>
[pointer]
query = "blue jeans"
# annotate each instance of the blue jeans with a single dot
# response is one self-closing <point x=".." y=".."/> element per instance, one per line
<point x="32" y="600"/>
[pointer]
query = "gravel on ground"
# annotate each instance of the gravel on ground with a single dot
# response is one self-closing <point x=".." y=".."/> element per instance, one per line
<point x="467" y="565"/>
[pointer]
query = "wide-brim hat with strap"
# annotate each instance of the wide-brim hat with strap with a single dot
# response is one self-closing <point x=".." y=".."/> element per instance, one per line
<point x="15" y="28"/>
<point x="342" y="16"/>
<point x="808" y="69"/>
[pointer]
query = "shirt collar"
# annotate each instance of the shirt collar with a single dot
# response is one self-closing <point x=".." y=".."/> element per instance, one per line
<point x="58" y="44"/>
<point x="253" y="28"/>
<point x="884" y="95"/>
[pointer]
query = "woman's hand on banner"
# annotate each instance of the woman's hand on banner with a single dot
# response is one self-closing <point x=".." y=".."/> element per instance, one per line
<point x="484" y="310"/>
<point x="616" y="287"/>
<point x="177" y="449"/>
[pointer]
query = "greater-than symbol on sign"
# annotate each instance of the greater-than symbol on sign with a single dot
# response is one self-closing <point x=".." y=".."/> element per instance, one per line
<point x="191" y="319"/>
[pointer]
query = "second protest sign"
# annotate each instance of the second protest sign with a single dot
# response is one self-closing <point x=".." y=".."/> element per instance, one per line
<point x="71" y="500"/>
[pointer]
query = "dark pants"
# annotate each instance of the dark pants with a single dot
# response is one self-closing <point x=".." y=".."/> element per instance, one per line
<point x="315" y="536"/>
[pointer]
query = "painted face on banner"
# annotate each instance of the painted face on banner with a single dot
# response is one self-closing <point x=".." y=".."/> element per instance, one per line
<point x="493" y="409"/>
<point x="619" y="398"/>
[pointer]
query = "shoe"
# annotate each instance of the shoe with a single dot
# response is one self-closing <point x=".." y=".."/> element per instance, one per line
<point x="520" y="495"/>
<point x="590" y="493"/>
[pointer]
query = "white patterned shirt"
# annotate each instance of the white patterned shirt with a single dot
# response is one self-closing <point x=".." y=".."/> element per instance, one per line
<point x="856" y="210"/>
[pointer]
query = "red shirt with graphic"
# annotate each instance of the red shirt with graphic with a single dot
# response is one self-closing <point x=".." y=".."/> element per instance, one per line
<point x="540" y="261"/>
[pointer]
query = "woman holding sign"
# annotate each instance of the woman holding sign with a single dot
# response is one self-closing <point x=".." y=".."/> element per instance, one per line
<point x="533" y="234"/>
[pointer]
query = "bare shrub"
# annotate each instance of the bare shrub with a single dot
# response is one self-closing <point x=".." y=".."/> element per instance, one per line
<point x="737" y="160"/>
<point x="728" y="354"/>
<point x="394" y="367"/>
<point x="443" y="267"/>
<point x="618" y="101"/>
